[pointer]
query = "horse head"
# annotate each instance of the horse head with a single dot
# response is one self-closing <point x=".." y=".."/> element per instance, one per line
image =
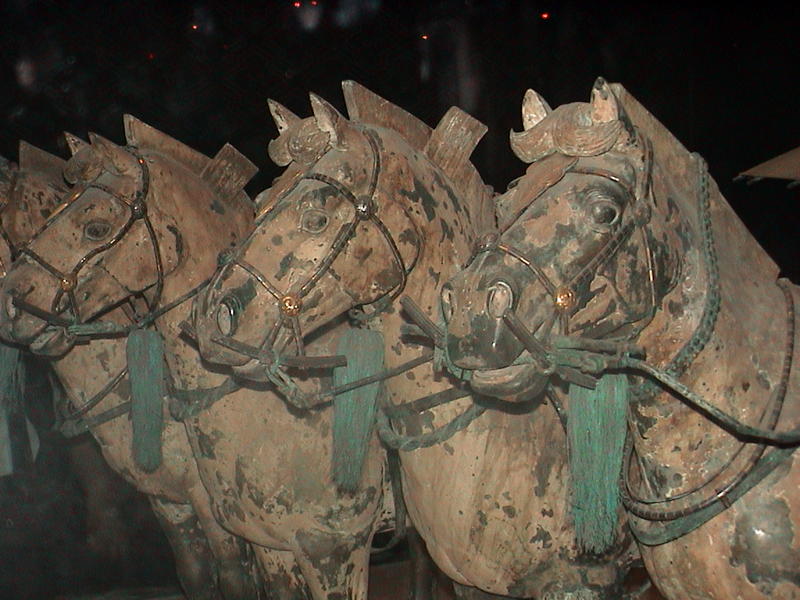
<point x="584" y="247"/>
<point x="340" y="229"/>
<point x="29" y="194"/>
<point x="131" y="219"/>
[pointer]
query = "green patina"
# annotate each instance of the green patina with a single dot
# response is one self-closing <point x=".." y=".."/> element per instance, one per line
<point x="245" y="293"/>
<point x="147" y="374"/>
<point x="596" y="431"/>
<point x="354" y="411"/>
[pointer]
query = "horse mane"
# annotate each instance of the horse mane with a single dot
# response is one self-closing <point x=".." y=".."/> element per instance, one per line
<point x="448" y="146"/>
<point x="47" y="166"/>
<point x="227" y="173"/>
<point x="675" y="162"/>
<point x="141" y="135"/>
<point x="368" y="107"/>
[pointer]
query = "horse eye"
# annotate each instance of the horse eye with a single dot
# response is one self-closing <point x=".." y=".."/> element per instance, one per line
<point x="314" y="221"/>
<point x="604" y="212"/>
<point x="96" y="230"/>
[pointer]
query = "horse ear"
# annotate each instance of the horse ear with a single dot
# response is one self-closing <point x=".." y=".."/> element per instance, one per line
<point x="283" y="117"/>
<point x="113" y="156"/>
<point x="534" y="109"/>
<point x="605" y="107"/>
<point x="74" y="143"/>
<point x="329" y="120"/>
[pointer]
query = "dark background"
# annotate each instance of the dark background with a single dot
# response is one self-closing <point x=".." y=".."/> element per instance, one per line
<point x="724" y="81"/>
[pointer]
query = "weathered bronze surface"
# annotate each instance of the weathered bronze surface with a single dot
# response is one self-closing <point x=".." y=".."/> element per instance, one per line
<point x="613" y="207"/>
<point x="266" y="469"/>
<point x="490" y="501"/>
<point x="211" y="562"/>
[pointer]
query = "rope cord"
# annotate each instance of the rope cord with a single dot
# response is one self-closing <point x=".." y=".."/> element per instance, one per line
<point x="686" y="355"/>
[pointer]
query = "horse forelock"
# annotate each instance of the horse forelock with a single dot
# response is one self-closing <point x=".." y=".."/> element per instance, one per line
<point x="568" y="130"/>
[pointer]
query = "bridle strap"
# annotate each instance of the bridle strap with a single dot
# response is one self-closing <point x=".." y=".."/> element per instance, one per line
<point x="365" y="210"/>
<point x="68" y="280"/>
<point x="563" y="295"/>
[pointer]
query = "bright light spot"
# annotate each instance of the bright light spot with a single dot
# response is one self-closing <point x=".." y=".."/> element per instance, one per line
<point x="151" y="55"/>
<point x="194" y="26"/>
<point x="545" y="16"/>
<point x="313" y="2"/>
<point x="424" y="36"/>
<point x="296" y="4"/>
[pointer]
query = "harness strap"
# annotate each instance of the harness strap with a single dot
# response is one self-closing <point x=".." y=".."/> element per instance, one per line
<point x="68" y="281"/>
<point x="291" y="304"/>
<point x="655" y="534"/>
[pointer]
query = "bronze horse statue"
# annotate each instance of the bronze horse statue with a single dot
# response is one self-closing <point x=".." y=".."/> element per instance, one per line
<point x="147" y="230"/>
<point x="369" y="208"/>
<point x="211" y="562"/>
<point x="622" y="282"/>
<point x="29" y="193"/>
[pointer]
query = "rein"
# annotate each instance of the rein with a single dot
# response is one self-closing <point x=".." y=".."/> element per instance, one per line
<point x="576" y="361"/>
<point x="74" y="422"/>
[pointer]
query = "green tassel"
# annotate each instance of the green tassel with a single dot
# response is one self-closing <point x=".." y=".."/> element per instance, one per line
<point x="12" y="382"/>
<point x="596" y="429"/>
<point x="12" y="378"/>
<point x="147" y="373"/>
<point x="354" y="411"/>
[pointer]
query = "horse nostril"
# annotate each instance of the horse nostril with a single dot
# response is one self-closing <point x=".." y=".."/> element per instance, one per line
<point x="8" y="306"/>
<point x="500" y="299"/>
<point x="228" y="315"/>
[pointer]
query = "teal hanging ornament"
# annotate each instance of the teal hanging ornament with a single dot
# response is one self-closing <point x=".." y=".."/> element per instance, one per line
<point x="596" y="429"/>
<point x="147" y="373"/>
<point x="354" y="411"/>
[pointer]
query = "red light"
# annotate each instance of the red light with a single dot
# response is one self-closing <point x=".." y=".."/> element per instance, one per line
<point x="151" y="55"/>
<point x="296" y="4"/>
<point x="194" y="26"/>
<point x="424" y="36"/>
<point x="313" y="2"/>
<point x="545" y="16"/>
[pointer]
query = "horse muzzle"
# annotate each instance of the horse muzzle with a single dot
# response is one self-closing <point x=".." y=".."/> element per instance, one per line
<point x="517" y="383"/>
<point x="17" y="326"/>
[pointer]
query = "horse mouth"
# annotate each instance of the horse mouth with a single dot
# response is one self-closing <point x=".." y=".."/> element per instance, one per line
<point x="516" y="383"/>
<point x="51" y="341"/>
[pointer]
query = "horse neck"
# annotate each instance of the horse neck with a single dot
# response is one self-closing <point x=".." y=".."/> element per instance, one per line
<point x="449" y="225"/>
<point x="740" y="363"/>
<point x="207" y="225"/>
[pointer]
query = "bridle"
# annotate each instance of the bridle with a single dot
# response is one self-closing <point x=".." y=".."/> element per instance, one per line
<point x="68" y="280"/>
<point x="290" y="304"/>
<point x="563" y="294"/>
